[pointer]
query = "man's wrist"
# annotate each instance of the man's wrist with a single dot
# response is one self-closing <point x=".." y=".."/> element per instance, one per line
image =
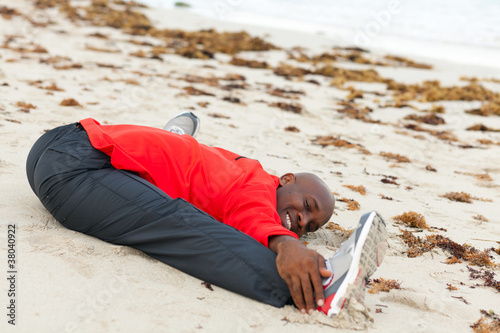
<point x="276" y="242"/>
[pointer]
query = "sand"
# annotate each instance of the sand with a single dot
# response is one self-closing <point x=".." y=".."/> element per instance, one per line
<point x="69" y="282"/>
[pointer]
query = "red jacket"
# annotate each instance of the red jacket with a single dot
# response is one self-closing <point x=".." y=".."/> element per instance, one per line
<point x="233" y="189"/>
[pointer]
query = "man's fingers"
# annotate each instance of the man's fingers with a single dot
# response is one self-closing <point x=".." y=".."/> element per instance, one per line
<point x="308" y="293"/>
<point x="296" y="291"/>
<point x="317" y="284"/>
<point x="323" y="271"/>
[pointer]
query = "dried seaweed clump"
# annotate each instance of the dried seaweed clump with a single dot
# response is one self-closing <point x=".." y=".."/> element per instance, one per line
<point x="295" y="107"/>
<point x="431" y="91"/>
<point x="290" y="94"/>
<point x="488" y="323"/>
<point x="351" y="56"/>
<point x="412" y="219"/>
<point x="482" y="128"/>
<point x="248" y="63"/>
<point x="199" y="44"/>
<point x="353" y="94"/>
<point x="431" y="118"/>
<point x="398" y="158"/>
<point x="100" y="13"/>
<point x="7" y="12"/>
<point x="354" y="112"/>
<point x="381" y="284"/>
<point x="458" y="196"/>
<point x="292" y="129"/>
<point x="487" y="276"/>
<point x="356" y="56"/>
<point x="52" y="87"/>
<point x="429" y="167"/>
<point x="25" y="107"/>
<point x="336" y="227"/>
<point x="479" y="176"/>
<point x="418" y="246"/>
<point x="351" y="203"/>
<point x="289" y="71"/>
<point x="442" y="135"/>
<point x="360" y="189"/>
<point x="487" y="109"/>
<point x="210" y="81"/>
<point x="227" y="42"/>
<point x="405" y="62"/>
<point x="342" y="75"/>
<point x="210" y="41"/>
<point x="70" y="102"/>
<point x="337" y="142"/>
<point x="196" y="92"/>
<point x="437" y="109"/>
<point x="480" y="218"/>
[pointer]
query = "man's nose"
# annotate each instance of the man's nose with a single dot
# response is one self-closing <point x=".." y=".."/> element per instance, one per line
<point x="304" y="219"/>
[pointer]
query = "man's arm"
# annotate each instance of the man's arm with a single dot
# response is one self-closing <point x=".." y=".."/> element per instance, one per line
<point x="302" y="270"/>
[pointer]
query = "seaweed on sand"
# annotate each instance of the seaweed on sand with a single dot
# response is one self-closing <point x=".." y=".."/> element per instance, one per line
<point x="289" y="71"/>
<point x="295" y="107"/>
<point x="488" y="323"/>
<point x="338" y="142"/>
<point x="196" y="92"/>
<point x="442" y="135"/>
<point x="482" y="128"/>
<point x="405" y="62"/>
<point x="481" y="218"/>
<point x="458" y="196"/>
<point x="7" y="13"/>
<point x="412" y="219"/>
<point x="432" y="91"/>
<point x="289" y="94"/>
<point x="248" y="63"/>
<point x="360" y="189"/>
<point x="396" y="157"/>
<point x="292" y="129"/>
<point x="354" y="112"/>
<point x="431" y="118"/>
<point x="198" y="44"/>
<point x="486" y="275"/>
<point x="336" y="227"/>
<point x="25" y="107"/>
<point x="418" y="246"/>
<point x="70" y="102"/>
<point x="479" y="176"/>
<point x="351" y="203"/>
<point x="487" y="109"/>
<point x="377" y="285"/>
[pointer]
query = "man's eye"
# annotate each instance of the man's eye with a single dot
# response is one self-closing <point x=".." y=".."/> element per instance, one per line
<point x="307" y="205"/>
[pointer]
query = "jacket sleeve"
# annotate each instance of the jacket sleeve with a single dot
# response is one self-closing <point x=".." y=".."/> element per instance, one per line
<point x="252" y="210"/>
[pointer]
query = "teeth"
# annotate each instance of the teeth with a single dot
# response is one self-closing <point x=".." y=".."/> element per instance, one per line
<point x="288" y="222"/>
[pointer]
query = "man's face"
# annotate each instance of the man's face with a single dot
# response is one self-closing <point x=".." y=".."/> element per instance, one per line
<point x="304" y="202"/>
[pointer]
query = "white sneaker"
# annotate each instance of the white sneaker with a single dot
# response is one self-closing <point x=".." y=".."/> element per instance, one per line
<point x="356" y="259"/>
<point x="184" y="123"/>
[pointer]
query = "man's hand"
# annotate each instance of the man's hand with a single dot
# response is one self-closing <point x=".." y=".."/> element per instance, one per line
<point x="302" y="270"/>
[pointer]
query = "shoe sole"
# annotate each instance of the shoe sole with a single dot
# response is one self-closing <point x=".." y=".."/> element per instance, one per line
<point x="369" y="251"/>
<point x="193" y="117"/>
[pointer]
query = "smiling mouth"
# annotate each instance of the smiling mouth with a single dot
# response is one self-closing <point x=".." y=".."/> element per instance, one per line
<point x="288" y="222"/>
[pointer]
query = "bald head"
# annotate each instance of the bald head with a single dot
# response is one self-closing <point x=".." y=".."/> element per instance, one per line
<point x="305" y="203"/>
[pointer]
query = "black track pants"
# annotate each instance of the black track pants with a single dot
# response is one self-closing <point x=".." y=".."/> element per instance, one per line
<point x="78" y="185"/>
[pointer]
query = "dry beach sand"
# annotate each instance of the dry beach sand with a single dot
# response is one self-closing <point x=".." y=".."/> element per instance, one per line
<point x="354" y="118"/>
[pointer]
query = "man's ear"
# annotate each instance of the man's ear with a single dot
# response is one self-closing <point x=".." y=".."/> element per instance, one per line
<point x="288" y="178"/>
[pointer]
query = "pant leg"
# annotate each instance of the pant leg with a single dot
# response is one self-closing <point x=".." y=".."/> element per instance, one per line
<point x="77" y="184"/>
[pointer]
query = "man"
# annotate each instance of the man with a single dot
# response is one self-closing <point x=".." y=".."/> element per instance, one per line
<point x="162" y="192"/>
